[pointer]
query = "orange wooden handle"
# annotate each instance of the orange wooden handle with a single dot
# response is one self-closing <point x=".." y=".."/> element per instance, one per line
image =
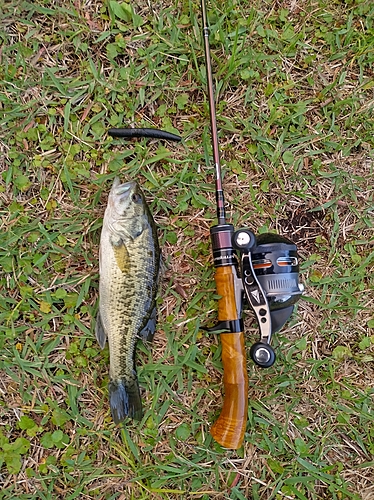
<point x="230" y="427"/>
<point x="224" y="279"/>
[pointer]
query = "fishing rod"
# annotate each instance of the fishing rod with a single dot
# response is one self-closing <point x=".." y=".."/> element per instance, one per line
<point x="261" y="271"/>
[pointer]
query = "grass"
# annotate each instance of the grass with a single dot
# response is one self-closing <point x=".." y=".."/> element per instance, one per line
<point x="295" y="110"/>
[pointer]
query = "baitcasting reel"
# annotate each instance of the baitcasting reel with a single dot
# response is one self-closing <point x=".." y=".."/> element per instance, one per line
<point x="267" y="276"/>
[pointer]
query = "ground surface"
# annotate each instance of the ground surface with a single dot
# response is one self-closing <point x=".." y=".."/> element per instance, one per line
<point x="295" y="110"/>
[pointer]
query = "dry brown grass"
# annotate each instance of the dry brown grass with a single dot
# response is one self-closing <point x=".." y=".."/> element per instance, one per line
<point x="311" y="414"/>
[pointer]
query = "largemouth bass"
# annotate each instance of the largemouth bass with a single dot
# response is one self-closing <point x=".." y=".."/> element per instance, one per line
<point x="129" y="264"/>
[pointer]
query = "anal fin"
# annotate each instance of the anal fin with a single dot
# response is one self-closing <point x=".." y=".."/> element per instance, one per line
<point x="148" y="332"/>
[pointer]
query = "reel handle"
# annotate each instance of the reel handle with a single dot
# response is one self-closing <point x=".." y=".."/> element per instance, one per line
<point x="229" y="428"/>
<point x="261" y="352"/>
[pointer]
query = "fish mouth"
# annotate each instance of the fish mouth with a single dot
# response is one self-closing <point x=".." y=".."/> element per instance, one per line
<point x="123" y="189"/>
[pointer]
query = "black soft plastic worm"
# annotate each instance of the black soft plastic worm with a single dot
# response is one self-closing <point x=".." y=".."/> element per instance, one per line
<point x="151" y="133"/>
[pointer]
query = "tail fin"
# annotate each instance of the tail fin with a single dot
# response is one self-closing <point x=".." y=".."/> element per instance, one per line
<point x="125" y="400"/>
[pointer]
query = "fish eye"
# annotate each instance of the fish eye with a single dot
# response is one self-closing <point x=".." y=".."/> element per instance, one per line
<point x="136" y="198"/>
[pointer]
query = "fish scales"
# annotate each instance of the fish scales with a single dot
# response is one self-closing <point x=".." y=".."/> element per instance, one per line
<point x="126" y="301"/>
<point x="129" y="274"/>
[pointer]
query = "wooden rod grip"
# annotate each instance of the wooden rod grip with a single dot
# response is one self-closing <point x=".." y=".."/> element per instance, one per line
<point x="224" y="279"/>
<point x="230" y="426"/>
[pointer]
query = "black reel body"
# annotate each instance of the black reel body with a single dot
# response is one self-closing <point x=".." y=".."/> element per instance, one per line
<point x="270" y="275"/>
<point x="275" y="263"/>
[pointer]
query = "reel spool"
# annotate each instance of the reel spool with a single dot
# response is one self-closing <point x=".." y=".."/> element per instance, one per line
<point x="270" y="276"/>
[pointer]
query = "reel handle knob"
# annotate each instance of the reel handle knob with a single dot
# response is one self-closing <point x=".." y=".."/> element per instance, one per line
<point x="262" y="354"/>
<point x="243" y="240"/>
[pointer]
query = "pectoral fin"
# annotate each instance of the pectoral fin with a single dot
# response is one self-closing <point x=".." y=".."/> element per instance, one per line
<point x="121" y="255"/>
<point x="100" y="332"/>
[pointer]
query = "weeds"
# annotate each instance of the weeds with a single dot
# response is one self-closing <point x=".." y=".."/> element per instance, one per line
<point x="294" y="101"/>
